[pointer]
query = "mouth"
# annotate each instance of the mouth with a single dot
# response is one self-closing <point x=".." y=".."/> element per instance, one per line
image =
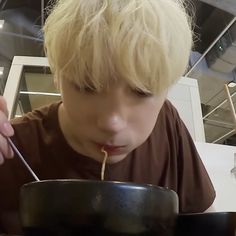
<point x="112" y="149"/>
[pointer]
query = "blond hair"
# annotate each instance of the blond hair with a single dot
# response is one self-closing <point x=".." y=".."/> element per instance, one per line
<point x="144" y="42"/>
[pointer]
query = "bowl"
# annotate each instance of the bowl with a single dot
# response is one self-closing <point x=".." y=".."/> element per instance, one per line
<point x="87" y="207"/>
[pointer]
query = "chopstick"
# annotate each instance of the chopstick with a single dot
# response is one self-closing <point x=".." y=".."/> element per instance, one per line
<point x="22" y="158"/>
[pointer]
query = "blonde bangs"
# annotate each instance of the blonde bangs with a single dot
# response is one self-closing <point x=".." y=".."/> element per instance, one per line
<point x="144" y="42"/>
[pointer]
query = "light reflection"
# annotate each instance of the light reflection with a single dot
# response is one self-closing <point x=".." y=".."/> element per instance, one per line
<point x="1" y="24"/>
<point x="1" y="70"/>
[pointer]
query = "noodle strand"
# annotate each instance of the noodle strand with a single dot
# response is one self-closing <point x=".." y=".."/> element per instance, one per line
<point x="104" y="162"/>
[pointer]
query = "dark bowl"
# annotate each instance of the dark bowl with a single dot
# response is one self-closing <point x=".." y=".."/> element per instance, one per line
<point x="85" y="207"/>
<point x="205" y="224"/>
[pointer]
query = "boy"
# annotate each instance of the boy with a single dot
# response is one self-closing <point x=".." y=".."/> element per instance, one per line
<point x="113" y="62"/>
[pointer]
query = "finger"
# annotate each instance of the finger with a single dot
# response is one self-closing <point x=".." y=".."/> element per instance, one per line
<point x="5" y="126"/>
<point x="9" y="152"/>
<point x="7" y="129"/>
<point x="1" y="159"/>
<point x="3" y="105"/>
<point x="5" y="149"/>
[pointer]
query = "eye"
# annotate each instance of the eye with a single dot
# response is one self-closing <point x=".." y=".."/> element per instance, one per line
<point x="141" y="93"/>
<point x="85" y="89"/>
<point x="88" y="90"/>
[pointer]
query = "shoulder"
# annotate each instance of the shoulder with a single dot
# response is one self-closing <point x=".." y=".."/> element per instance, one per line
<point x="169" y="118"/>
<point x="38" y="121"/>
<point x="169" y="114"/>
<point x="169" y="108"/>
<point x="169" y="125"/>
<point x="36" y="130"/>
<point x="36" y="115"/>
<point x="193" y="179"/>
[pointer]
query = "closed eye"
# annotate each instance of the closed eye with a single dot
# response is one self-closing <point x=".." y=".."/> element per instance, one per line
<point x="88" y="89"/>
<point x="141" y="93"/>
<point x="85" y="89"/>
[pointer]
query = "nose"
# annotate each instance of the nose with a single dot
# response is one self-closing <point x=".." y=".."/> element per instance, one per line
<point x="111" y="122"/>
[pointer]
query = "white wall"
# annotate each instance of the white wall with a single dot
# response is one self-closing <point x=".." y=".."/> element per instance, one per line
<point x="185" y="97"/>
<point x="219" y="161"/>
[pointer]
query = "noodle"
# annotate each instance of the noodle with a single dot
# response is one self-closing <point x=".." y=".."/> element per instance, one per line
<point x="103" y="163"/>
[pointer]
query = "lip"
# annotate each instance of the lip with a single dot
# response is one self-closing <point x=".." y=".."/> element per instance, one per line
<point x="112" y="149"/>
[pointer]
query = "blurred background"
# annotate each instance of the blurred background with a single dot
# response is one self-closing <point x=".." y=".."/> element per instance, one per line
<point x="212" y="62"/>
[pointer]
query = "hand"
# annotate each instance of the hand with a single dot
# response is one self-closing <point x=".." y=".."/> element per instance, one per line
<point x="6" y="130"/>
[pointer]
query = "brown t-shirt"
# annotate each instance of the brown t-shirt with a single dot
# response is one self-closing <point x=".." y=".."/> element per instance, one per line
<point x="168" y="158"/>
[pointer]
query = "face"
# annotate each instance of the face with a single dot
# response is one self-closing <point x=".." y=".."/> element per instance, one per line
<point x="119" y="119"/>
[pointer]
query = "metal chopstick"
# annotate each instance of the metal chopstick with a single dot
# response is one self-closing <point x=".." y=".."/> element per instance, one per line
<point x="22" y="159"/>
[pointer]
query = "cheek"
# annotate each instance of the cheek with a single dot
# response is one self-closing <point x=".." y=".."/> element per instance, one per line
<point x="75" y="107"/>
<point x="145" y="119"/>
<point x="80" y="111"/>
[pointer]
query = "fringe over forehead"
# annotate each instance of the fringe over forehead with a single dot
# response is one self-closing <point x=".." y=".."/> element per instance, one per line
<point x="143" y="42"/>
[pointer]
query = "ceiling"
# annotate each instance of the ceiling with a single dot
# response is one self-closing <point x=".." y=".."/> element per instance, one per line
<point x="226" y="5"/>
<point x="22" y="36"/>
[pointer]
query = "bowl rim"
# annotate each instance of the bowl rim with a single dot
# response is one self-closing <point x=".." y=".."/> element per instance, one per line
<point x="106" y="182"/>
